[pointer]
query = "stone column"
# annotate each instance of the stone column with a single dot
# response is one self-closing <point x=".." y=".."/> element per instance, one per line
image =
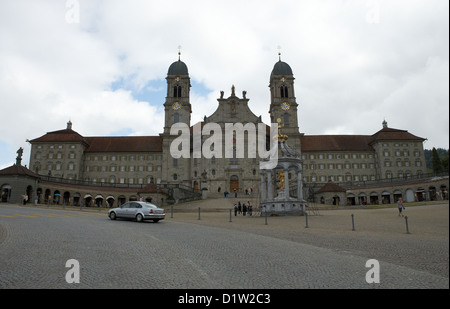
<point x="263" y="186"/>
<point x="269" y="186"/>
<point x="299" y="186"/>
<point x="286" y="184"/>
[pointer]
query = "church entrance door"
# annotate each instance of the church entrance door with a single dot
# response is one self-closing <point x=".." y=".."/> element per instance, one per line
<point x="234" y="184"/>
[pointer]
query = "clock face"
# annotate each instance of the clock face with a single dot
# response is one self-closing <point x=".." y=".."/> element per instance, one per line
<point x="176" y="106"/>
<point x="285" y="106"/>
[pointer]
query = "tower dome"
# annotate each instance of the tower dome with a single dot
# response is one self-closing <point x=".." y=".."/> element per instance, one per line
<point x="178" y="68"/>
<point x="281" y="68"/>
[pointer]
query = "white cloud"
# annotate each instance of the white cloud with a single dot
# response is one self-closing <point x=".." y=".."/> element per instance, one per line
<point x="351" y="72"/>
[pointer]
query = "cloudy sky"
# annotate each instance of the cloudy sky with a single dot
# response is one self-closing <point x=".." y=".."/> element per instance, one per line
<point x="102" y="64"/>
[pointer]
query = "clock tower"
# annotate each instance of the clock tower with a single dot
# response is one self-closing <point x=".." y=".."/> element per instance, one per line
<point x="177" y="109"/>
<point x="177" y="106"/>
<point x="283" y="105"/>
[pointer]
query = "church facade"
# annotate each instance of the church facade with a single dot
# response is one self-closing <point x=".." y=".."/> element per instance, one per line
<point x="143" y="160"/>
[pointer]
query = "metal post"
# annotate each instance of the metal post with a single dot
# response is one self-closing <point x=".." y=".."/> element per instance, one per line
<point x="230" y="214"/>
<point x="171" y="211"/>
<point x="407" y="229"/>
<point x="353" y="223"/>
<point x="306" y="217"/>
<point x="265" y="217"/>
<point x="199" y="213"/>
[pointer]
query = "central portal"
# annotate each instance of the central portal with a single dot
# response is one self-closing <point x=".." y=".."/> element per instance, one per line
<point x="234" y="183"/>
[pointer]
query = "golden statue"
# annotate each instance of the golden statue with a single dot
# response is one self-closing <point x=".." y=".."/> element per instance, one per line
<point x="281" y="137"/>
<point x="280" y="178"/>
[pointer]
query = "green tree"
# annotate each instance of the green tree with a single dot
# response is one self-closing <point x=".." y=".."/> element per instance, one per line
<point x="437" y="164"/>
<point x="445" y="163"/>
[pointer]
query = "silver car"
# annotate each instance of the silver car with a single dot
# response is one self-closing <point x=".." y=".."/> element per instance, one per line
<point x="137" y="210"/>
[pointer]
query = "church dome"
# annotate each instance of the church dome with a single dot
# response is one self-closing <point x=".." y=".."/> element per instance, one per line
<point x="178" y="68"/>
<point x="281" y="68"/>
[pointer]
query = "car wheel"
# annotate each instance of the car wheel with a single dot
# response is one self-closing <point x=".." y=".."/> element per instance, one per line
<point x="112" y="216"/>
<point x="139" y="218"/>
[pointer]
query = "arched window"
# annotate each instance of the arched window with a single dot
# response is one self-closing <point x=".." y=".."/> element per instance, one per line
<point x="284" y="91"/>
<point x="177" y="91"/>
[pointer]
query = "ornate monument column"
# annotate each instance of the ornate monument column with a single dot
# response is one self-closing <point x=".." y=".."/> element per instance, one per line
<point x="283" y="203"/>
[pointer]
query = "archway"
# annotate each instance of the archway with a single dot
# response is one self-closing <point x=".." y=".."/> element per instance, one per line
<point x="397" y="195"/>
<point x="351" y="199"/>
<point x="121" y="200"/>
<point x="47" y="196"/>
<point x="362" y="199"/>
<point x="196" y="186"/>
<point x="373" y="198"/>
<point x="56" y="197"/>
<point x="99" y="200"/>
<point x="29" y="193"/>
<point x="66" y="198"/>
<point x="87" y="200"/>
<point x="5" y="193"/>
<point x="76" y="199"/>
<point x="409" y="196"/>
<point x="432" y="192"/>
<point x="385" y="197"/>
<point x="110" y="201"/>
<point x="234" y="183"/>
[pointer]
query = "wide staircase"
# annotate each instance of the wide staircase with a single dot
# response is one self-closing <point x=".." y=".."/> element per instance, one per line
<point x="218" y="203"/>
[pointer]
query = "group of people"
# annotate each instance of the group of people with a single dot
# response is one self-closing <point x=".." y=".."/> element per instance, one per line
<point x="243" y="208"/>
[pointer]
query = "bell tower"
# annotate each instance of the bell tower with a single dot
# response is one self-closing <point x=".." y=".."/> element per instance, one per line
<point x="283" y="104"/>
<point x="177" y="106"/>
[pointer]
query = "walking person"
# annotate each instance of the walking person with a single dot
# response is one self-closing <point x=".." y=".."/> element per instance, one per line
<point x="250" y="208"/>
<point x="244" y="209"/>
<point x="239" y="208"/>
<point x="235" y="210"/>
<point x="400" y="207"/>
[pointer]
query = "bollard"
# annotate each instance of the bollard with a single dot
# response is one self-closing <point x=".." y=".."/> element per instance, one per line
<point x="407" y="229"/>
<point x="199" y="213"/>
<point x="306" y="218"/>
<point x="230" y="214"/>
<point x="265" y="212"/>
<point x="353" y="223"/>
<point x="171" y="211"/>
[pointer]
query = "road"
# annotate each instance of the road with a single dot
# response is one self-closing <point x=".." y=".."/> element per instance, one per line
<point x="36" y="243"/>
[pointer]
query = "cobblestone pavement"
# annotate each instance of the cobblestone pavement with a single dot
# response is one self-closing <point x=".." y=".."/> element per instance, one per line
<point x="184" y="252"/>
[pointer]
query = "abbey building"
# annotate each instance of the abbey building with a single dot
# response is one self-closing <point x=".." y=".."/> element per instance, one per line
<point x="143" y="160"/>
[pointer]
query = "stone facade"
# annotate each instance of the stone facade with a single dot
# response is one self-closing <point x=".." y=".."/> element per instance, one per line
<point x="389" y="153"/>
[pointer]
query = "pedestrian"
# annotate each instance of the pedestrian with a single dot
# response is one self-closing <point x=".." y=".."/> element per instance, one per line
<point x="235" y="192"/>
<point x="244" y="209"/>
<point x="400" y="207"/>
<point x="235" y="210"/>
<point x="250" y="208"/>
<point x="239" y="207"/>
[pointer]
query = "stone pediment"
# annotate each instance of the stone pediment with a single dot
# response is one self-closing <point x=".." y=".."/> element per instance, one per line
<point x="233" y="110"/>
